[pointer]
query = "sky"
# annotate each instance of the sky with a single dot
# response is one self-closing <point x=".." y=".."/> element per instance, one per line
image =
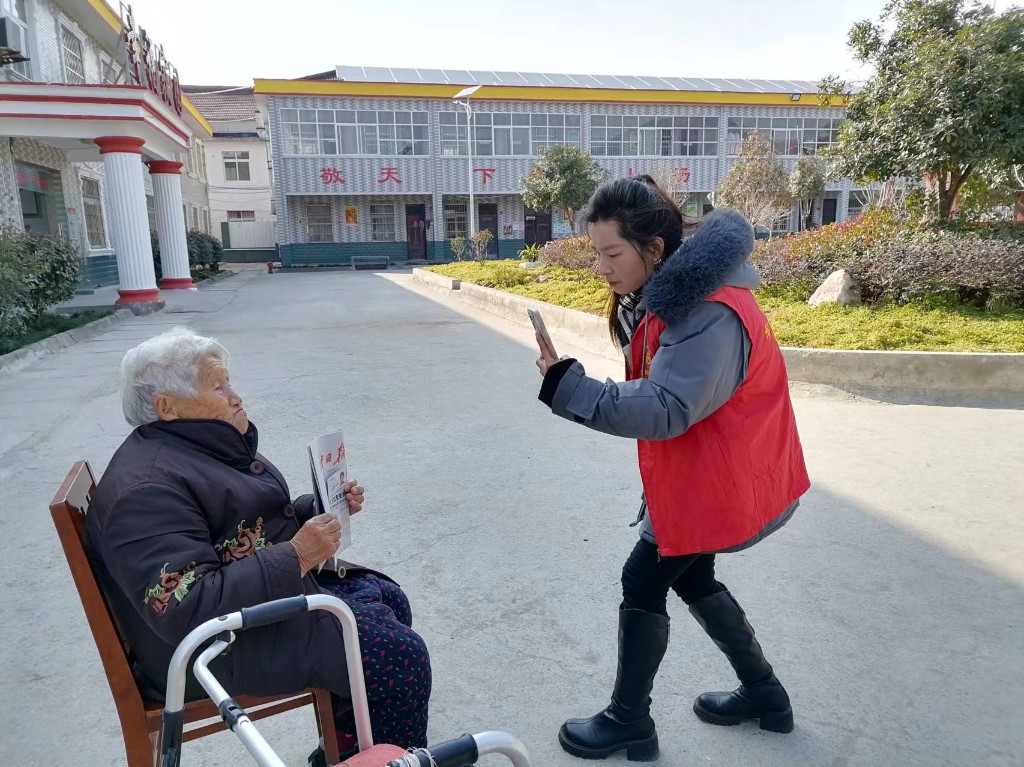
<point x="231" y="42"/>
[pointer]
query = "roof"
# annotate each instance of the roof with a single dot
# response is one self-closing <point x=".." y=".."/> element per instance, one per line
<point x="221" y="103"/>
<point x="551" y="80"/>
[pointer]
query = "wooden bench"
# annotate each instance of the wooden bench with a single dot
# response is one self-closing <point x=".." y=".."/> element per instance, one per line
<point x="141" y="719"/>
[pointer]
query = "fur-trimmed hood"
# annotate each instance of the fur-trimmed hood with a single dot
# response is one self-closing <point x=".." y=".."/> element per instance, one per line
<point x="703" y="263"/>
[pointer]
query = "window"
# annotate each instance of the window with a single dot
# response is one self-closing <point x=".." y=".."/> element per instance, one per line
<point x="819" y="133"/>
<point x="236" y="166"/>
<point x="782" y="225"/>
<point x="197" y="159"/>
<point x="455" y="219"/>
<point x="355" y="132"/>
<point x="506" y="134"/>
<point x="790" y="135"/>
<point x="92" y="203"/>
<point x="14" y="11"/>
<point x="319" y="223"/>
<point x="241" y="215"/>
<point x="194" y="217"/>
<point x="74" y="60"/>
<point x="632" y="136"/>
<point x="206" y="220"/>
<point x="108" y="70"/>
<point x="382" y="222"/>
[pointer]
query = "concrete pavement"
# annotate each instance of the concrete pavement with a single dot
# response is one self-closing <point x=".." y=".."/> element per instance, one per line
<point x="892" y="605"/>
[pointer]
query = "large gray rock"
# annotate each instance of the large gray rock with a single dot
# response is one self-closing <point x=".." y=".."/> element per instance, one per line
<point x="838" y="288"/>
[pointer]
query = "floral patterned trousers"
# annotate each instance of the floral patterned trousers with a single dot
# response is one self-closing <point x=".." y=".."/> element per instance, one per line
<point x="395" y="663"/>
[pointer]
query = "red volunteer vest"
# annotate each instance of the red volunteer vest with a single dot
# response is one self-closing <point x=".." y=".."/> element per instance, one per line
<point x="720" y="483"/>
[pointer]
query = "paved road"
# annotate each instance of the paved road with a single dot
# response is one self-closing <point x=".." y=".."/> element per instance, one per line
<point x="892" y="605"/>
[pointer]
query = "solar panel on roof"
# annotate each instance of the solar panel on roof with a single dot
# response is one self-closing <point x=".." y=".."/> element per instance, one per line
<point x="563" y="81"/>
<point x="547" y="79"/>
<point x="460" y="77"/>
<point x="510" y="78"/>
<point x="378" y="75"/>
<point x="654" y="83"/>
<point x="405" y="75"/>
<point x="631" y="82"/>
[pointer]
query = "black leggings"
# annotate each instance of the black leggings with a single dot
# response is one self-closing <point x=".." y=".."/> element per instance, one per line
<point x="646" y="578"/>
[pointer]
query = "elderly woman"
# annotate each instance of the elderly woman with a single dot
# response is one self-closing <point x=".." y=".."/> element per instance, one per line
<point x="191" y="522"/>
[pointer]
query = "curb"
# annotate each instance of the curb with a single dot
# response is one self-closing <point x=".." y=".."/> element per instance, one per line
<point x="965" y="379"/>
<point x="26" y="355"/>
<point x="221" y="275"/>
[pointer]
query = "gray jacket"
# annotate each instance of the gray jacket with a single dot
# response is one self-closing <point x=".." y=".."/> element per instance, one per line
<point x="701" y="360"/>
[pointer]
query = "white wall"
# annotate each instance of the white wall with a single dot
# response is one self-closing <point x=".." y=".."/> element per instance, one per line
<point x="254" y="195"/>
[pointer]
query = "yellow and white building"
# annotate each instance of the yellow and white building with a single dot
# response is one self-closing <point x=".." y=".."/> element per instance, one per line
<point x="374" y="164"/>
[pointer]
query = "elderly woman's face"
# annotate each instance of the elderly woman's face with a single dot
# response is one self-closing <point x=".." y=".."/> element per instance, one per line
<point x="215" y="400"/>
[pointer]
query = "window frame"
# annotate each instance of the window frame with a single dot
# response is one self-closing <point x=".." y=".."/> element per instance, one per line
<point x="23" y="70"/>
<point x="100" y="215"/>
<point x="66" y="26"/>
<point x="325" y="132"/>
<point x="385" y="218"/>
<point x="322" y="222"/>
<point x="236" y="164"/>
<point x="519" y="126"/>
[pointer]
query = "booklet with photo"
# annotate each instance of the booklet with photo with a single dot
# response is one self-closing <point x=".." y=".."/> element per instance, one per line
<point x="329" y="466"/>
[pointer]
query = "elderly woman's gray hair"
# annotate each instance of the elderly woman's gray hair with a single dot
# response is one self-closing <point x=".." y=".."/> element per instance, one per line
<point x="166" y="364"/>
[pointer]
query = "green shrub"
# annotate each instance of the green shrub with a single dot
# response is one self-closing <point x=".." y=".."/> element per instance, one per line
<point x="530" y="253"/>
<point x="481" y="242"/>
<point x="19" y="270"/>
<point x="508" y="274"/>
<point x="204" y="254"/>
<point x="458" y="246"/>
<point x="61" y="267"/>
<point x="35" y="274"/>
<point x="895" y="261"/>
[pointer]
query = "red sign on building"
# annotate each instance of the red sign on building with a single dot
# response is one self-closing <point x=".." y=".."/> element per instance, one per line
<point x="389" y="174"/>
<point x="486" y="174"/>
<point x="147" y="65"/>
<point x="331" y="176"/>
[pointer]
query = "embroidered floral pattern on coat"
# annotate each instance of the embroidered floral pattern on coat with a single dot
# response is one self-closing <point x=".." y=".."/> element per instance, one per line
<point x="170" y="585"/>
<point x="246" y="541"/>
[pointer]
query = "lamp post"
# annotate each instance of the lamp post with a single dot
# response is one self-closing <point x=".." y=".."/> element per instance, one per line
<point x="462" y="98"/>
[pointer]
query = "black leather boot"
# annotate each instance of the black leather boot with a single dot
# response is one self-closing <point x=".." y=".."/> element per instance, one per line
<point x="626" y="723"/>
<point x="760" y="695"/>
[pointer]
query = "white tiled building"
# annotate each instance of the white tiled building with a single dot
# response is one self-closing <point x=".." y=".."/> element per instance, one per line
<point x="237" y="162"/>
<point x="373" y="163"/>
<point x="93" y="148"/>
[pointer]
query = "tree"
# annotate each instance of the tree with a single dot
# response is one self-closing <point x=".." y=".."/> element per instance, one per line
<point x="945" y="96"/>
<point x="991" y="193"/>
<point x="669" y="179"/>
<point x="757" y="184"/>
<point x="807" y="184"/>
<point x="563" y="177"/>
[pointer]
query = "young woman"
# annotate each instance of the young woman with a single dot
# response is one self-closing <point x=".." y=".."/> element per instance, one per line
<point x="707" y="399"/>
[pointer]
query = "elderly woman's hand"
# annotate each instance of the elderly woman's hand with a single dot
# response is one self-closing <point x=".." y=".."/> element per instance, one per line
<point x="354" y="494"/>
<point x="317" y="540"/>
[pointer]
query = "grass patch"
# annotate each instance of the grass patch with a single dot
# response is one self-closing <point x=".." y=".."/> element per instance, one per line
<point x="46" y="326"/>
<point x="889" y="328"/>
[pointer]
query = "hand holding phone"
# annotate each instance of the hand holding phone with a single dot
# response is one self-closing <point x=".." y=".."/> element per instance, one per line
<point x="547" y="348"/>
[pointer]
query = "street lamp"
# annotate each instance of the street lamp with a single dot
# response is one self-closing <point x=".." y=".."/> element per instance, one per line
<point x="462" y="98"/>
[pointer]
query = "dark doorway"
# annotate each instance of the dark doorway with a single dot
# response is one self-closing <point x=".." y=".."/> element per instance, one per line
<point x="537" y="227"/>
<point x="828" y="211"/>
<point x="416" y="232"/>
<point x="487" y="218"/>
